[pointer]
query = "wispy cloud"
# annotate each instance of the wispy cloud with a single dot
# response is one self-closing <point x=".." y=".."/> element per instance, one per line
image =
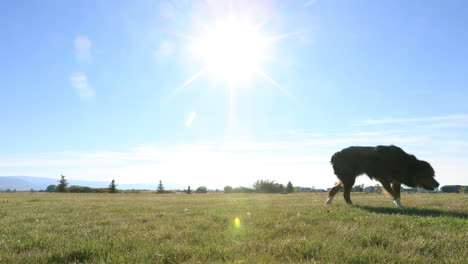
<point x="79" y="81"/>
<point x="309" y="3"/>
<point x="167" y="10"/>
<point x="166" y="49"/>
<point x="190" y="119"/>
<point x="293" y="132"/>
<point x="304" y="162"/>
<point x="302" y="158"/>
<point x="365" y="134"/>
<point x="204" y="164"/>
<point x="448" y="119"/>
<point x="83" y="49"/>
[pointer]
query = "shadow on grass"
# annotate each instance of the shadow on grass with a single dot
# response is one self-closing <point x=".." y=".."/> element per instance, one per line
<point x="413" y="211"/>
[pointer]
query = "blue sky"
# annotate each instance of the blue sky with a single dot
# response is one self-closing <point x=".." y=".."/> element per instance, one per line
<point x="93" y="90"/>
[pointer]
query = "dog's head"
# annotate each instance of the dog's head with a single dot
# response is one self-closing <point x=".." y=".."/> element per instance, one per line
<point x="423" y="175"/>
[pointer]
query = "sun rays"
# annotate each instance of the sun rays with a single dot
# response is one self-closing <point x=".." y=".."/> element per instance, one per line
<point x="232" y="50"/>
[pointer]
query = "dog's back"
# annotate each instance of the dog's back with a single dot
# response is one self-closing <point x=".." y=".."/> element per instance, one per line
<point x="353" y="160"/>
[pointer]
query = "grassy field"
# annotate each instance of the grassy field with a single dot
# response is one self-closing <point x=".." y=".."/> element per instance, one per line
<point x="200" y="228"/>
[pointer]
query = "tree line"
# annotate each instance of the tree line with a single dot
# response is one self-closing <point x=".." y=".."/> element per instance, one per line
<point x="259" y="186"/>
<point x="62" y="186"/>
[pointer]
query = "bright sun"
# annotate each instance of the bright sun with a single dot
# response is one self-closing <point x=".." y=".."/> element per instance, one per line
<point x="231" y="50"/>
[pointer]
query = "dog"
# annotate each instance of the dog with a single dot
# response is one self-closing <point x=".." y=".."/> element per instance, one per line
<point x="388" y="164"/>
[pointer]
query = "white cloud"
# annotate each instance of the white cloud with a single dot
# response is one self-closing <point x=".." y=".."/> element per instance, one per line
<point x="448" y="119"/>
<point x="293" y="132"/>
<point x="299" y="157"/>
<point x="166" y="49"/>
<point x="79" y="81"/>
<point x="83" y="49"/>
<point x="212" y="164"/>
<point x="190" y="119"/>
<point x="166" y="10"/>
<point x="309" y="3"/>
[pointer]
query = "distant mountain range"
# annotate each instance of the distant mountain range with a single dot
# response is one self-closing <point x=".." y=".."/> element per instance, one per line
<point x="26" y="183"/>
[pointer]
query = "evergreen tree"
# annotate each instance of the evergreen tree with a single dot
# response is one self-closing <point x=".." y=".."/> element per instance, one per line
<point x="267" y="186"/>
<point x="112" y="187"/>
<point x="160" y="187"/>
<point x="289" y="187"/>
<point x="281" y="188"/>
<point x="188" y="191"/>
<point x="228" y="189"/>
<point x="62" y="186"/>
<point x="462" y="189"/>
<point x="201" y="189"/>
<point x="51" y="188"/>
<point x="358" y="188"/>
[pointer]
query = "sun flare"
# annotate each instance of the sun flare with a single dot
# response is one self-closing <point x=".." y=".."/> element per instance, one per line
<point x="231" y="50"/>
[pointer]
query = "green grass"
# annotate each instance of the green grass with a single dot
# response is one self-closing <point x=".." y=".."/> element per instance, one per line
<point x="199" y="228"/>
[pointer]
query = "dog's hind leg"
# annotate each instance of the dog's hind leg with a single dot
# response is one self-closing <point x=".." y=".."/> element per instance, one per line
<point x="347" y="186"/>
<point x="333" y="191"/>
<point x="397" y="198"/>
<point x="388" y="189"/>
<point x="347" y="193"/>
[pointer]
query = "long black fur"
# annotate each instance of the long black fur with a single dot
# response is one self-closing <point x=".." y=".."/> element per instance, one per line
<point x="383" y="163"/>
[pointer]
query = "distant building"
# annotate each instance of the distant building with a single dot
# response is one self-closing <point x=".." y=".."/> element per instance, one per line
<point x="416" y="190"/>
<point x="454" y="189"/>
<point x="304" y="189"/>
<point x="373" y="189"/>
<point x="409" y="190"/>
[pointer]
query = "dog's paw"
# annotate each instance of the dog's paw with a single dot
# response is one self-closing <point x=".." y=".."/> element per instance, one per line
<point x="398" y="203"/>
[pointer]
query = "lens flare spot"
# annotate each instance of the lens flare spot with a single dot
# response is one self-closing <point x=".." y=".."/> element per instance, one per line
<point x="237" y="222"/>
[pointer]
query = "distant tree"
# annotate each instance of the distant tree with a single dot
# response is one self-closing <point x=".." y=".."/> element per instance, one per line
<point x="8" y="190"/>
<point x="289" y="187"/>
<point x="242" y="190"/>
<point x="32" y="190"/>
<point x="281" y="189"/>
<point x="201" y="189"/>
<point x="83" y="189"/>
<point x="450" y="188"/>
<point x="267" y="186"/>
<point x="160" y="188"/>
<point x="358" y="188"/>
<point x="51" y="188"/>
<point x="462" y="189"/>
<point x="188" y="191"/>
<point x="62" y="186"/>
<point x="112" y="187"/>
<point x="227" y="189"/>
